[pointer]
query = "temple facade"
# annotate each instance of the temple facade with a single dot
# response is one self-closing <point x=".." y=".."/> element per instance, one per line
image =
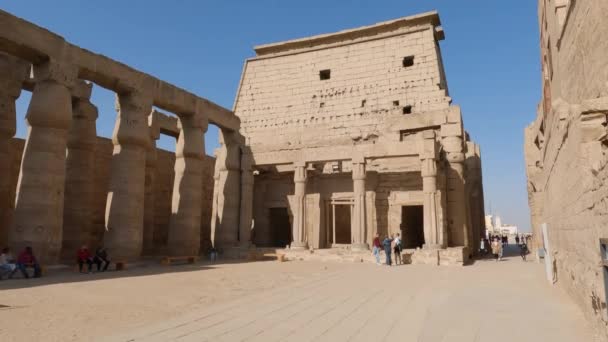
<point x="346" y="135"/>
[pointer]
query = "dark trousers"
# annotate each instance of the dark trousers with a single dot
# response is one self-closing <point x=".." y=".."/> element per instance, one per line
<point x="387" y="251"/>
<point x="89" y="264"/>
<point x="23" y="269"/>
<point x="98" y="261"/>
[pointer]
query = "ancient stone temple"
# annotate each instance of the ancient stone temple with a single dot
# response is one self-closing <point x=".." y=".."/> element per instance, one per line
<point x="65" y="186"/>
<point x="347" y="135"/>
<point x="566" y="153"/>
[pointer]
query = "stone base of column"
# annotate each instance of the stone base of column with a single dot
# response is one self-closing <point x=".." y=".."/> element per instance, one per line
<point x="432" y="246"/>
<point x="299" y="245"/>
<point x="359" y="247"/>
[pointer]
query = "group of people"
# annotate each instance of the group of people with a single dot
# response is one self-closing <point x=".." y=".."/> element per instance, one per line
<point x="26" y="259"/>
<point x="498" y="244"/>
<point x="84" y="256"/>
<point x="389" y="244"/>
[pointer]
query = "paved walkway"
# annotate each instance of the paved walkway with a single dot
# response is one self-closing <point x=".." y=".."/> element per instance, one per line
<point x="487" y="301"/>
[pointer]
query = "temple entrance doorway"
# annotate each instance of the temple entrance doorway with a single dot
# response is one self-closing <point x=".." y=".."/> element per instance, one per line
<point x="279" y="228"/>
<point x="342" y="224"/>
<point x="412" y="226"/>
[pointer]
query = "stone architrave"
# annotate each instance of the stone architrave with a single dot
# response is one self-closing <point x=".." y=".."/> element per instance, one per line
<point x="40" y="195"/>
<point x="125" y="202"/>
<point x="185" y="225"/>
<point x="80" y="170"/>
<point x="246" y="216"/>
<point x="358" y="222"/>
<point x="299" y="205"/>
<point x="12" y="74"/>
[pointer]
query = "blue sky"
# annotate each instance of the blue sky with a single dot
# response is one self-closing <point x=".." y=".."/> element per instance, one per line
<point x="491" y="55"/>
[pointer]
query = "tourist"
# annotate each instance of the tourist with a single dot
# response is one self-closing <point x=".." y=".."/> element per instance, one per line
<point x="213" y="254"/>
<point x="397" y="249"/>
<point x="496" y="245"/>
<point x="101" y="257"/>
<point x="7" y="264"/>
<point x="387" y="249"/>
<point x="83" y="255"/>
<point x="376" y="248"/>
<point x="27" y="259"/>
<point x="483" y="248"/>
<point x="523" y="251"/>
<point x="517" y="239"/>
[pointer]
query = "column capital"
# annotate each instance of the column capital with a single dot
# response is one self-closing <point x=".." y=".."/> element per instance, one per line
<point x="132" y="122"/>
<point x="14" y="72"/>
<point x="56" y="71"/>
<point x="358" y="170"/>
<point x="299" y="172"/>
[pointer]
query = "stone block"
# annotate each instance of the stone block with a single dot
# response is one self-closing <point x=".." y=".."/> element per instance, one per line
<point x="453" y="256"/>
<point x="425" y="257"/>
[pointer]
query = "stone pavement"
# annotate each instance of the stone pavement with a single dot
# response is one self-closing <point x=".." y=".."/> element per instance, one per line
<point x="487" y="301"/>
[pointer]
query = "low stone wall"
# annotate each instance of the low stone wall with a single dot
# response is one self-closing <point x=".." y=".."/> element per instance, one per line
<point x="163" y="189"/>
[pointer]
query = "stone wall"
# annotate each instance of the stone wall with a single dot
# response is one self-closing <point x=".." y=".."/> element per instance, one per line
<point x="163" y="188"/>
<point x="566" y="152"/>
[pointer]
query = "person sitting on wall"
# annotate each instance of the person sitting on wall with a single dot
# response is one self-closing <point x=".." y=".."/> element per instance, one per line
<point x="387" y="249"/>
<point x="7" y="264"/>
<point x="83" y="255"/>
<point x="27" y="259"/>
<point x="101" y="257"/>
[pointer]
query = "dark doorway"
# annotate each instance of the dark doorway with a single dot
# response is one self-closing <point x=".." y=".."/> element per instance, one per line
<point x="412" y="226"/>
<point x="280" y="227"/>
<point x="342" y="224"/>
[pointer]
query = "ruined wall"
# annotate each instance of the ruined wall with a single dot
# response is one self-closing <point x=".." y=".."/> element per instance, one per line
<point x="284" y="102"/>
<point x="566" y="151"/>
<point x="163" y="188"/>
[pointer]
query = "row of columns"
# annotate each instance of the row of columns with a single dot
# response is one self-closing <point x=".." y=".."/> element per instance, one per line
<point x="61" y="118"/>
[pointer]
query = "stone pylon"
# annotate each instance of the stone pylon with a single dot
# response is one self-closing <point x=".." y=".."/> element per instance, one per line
<point x="40" y="195"/>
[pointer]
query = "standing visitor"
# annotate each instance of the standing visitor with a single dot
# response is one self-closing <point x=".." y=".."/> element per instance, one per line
<point x="397" y="249"/>
<point x="517" y="239"/>
<point x="376" y="248"/>
<point x="523" y="251"/>
<point x="482" y="247"/>
<point x="387" y="249"/>
<point x="495" y="248"/>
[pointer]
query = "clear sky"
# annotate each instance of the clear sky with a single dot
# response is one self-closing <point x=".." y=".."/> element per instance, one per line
<point x="491" y="56"/>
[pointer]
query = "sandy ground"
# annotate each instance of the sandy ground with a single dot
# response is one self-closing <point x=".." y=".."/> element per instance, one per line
<point x="292" y="301"/>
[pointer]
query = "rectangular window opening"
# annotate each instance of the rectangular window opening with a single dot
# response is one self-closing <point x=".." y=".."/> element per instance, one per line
<point x="363" y="103"/>
<point x="325" y="74"/>
<point x="407" y="109"/>
<point x="396" y="103"/>
<point x="408" y="61"/>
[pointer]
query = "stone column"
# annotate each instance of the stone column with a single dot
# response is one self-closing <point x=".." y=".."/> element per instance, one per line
<point x="225" y="224"/>
<point x="149" y="247"/>
<point x="433" y="236"/>
<point x="358" y="220"/>
<point x="185" y="225"/>
<point x="40" y="191"/>
<point x="125" y="203"/>
<point x="299" y="215"/>
<point x="246" y="215"/>
<point x="453" y="144"/>
<point x="80" y="169"/>
<point x="12" y="74"/>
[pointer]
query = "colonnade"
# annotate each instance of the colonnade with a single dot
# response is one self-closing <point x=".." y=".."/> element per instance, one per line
<point x="52" y="211"/>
